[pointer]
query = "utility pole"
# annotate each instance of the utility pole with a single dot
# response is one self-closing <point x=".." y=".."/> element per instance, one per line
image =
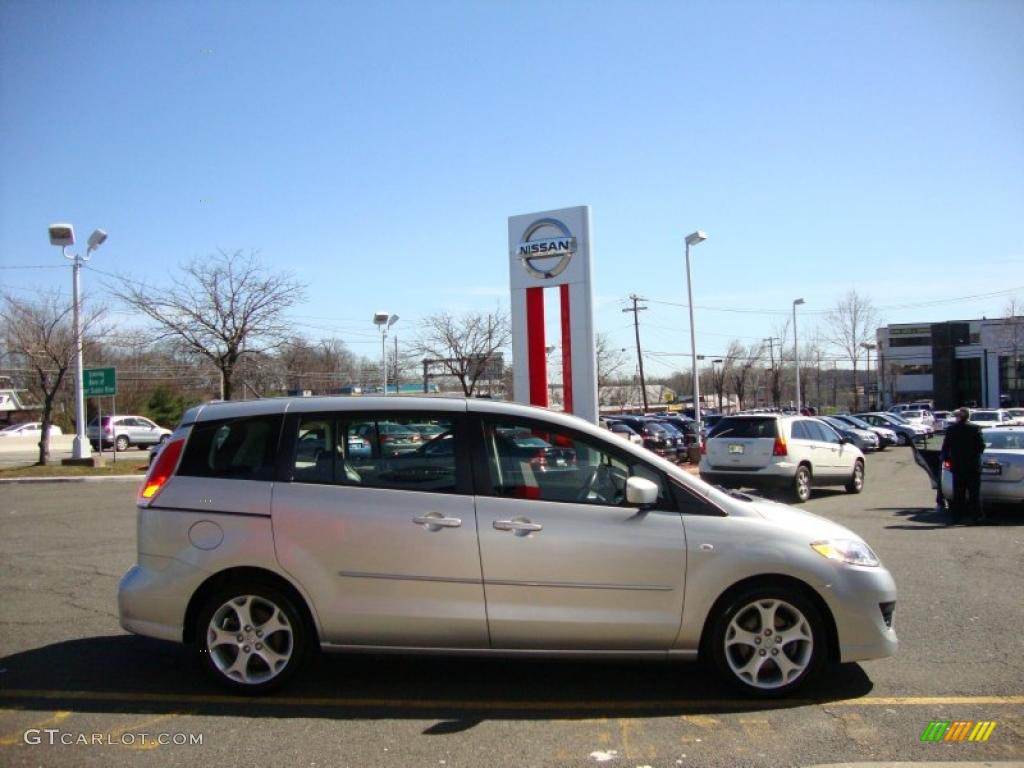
<point x="773" y="386"/>
<point x="639" y="357"/>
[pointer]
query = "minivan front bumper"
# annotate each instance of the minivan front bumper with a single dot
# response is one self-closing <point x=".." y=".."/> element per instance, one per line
<point x="862" y="602"/>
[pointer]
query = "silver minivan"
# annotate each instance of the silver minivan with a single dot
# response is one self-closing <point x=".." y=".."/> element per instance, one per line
<point x="508" y="530"/>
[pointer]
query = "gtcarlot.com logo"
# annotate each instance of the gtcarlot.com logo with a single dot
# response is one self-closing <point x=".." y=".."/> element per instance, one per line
<point x="57" y="737"/>
<point x="958" y="730"/>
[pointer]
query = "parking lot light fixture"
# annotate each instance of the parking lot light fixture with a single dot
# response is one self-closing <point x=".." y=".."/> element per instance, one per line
<point x="694" y="238"/>
<point x="63" y="235"/>
<point x="796" y="353"/>
<point x="384" y="321"/>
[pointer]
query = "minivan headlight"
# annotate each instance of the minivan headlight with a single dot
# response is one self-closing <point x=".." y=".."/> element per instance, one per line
<point x="849" y="551"/>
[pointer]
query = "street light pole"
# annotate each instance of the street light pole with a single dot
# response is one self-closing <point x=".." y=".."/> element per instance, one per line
<point x="693" y="238"/>
<point x="868" y="346"/>
<point x="384" y="320"/>
<point x="796" y="353"/>
<point x="64" y="236"/>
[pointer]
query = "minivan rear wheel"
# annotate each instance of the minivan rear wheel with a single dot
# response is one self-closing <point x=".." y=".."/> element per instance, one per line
<point x="768" y="641"/>
<point x="122" y="443"/>
<point x="802" y="484"/>
<point x="251" y="638"/>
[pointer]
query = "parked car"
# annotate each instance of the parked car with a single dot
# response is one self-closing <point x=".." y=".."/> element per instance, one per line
<point x="256" y="560"/>
<point x="942" y="419"/>
<point x="655" y="438"/>
<point x="677" y="435"/>
<point x="124" y="432"/>
<point x="864" y="439"/>
<point x="687" y="426"/>
<point x="623" y="430"/>
<point x="1002" y="467"/>
<point x="1017" y="414"/>
<point x="917" y="416"/>
<point x="389" y="438"/>
<point x="29" y="429"/>
<point x="991" y="417"/>
<point x="905" y="431"/>
<point x="886" y="436"/>
<point x="780" y="453"/>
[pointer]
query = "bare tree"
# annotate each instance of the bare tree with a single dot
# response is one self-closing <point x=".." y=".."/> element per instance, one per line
<point x="223" y="308"/>
<point x="464" y="347"/>
<point x="610" y="360"/>
<point x="852" y="323"/>
<point x="746" y="359"/>
<point x="42" y="334"/>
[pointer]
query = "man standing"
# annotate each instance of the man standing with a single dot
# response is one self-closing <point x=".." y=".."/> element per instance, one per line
<point x="962" y="447"/>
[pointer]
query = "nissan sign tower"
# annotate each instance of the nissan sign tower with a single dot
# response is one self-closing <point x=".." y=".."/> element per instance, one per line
<point x="547" y="250"/>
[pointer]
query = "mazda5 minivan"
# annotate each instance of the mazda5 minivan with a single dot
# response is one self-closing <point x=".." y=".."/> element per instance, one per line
<point x="256" y="547"/>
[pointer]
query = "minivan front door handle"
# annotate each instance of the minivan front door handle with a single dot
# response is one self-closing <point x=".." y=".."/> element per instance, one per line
<point x="435" y="521"/>
<point x="519" y="525"/>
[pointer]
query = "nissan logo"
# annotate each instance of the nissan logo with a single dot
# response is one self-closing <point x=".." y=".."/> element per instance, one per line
<point x="543" y="250"/>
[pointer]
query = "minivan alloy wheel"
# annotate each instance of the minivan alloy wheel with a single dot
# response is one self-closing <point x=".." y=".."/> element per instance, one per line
<point x="251" y="638"/>
<point x="769" y="641"/>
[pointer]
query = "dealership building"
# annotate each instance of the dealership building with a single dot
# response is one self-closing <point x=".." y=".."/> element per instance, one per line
<point x="958" y="362"/>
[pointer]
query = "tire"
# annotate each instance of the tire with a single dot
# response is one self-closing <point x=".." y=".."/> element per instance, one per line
<point x="901" y="439"/>
<point x="802" y="484"/>
<point x="122" y="442"/>
<point x="768" y="641"/>
<point x="251" y="638"/>
<point x="856" y="484"/>
<point x="163" y="439"/>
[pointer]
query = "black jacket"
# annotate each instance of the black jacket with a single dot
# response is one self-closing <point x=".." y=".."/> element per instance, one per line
<point x="963" y="446"/>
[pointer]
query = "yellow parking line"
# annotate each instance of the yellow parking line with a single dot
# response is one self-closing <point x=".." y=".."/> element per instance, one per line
<point x="16" y="738"/>
<point x="466" y="704"/>
<point x="115" y="734"/>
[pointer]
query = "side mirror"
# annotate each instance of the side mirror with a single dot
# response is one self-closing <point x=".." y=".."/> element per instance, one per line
<point x="641" y="492"/>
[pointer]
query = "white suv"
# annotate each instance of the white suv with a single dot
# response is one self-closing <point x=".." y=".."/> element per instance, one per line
<point x="771" y="452"/>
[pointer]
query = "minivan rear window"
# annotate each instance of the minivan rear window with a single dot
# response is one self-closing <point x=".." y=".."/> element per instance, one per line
<point x="236" y="449"/>
<point x="744" y="426"/>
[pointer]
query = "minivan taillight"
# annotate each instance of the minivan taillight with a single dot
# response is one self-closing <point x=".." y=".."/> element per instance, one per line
<point x="162" y="470"/>
<point x="780" y="449"/>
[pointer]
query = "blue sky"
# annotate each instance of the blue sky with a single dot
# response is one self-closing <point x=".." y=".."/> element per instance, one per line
<point x="377" y="149"/>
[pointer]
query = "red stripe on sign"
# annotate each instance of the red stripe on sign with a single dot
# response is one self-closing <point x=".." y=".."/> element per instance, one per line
<point x="566" y="350"/>
<point x="535" y="354"/>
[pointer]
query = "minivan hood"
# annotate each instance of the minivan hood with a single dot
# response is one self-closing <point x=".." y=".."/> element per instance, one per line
<point x="815" y="526"/>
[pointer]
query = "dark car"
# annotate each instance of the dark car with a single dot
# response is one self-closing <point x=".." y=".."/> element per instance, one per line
<point x="687" y="426"/>
<point x="656" y="438"/>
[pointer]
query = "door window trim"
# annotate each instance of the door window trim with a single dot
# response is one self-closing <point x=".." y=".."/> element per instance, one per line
<point x="460" y="430"/>
<point x="482" y="471"/>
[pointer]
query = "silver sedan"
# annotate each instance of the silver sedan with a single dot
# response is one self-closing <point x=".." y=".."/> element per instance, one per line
<point x="1002" y="467"/>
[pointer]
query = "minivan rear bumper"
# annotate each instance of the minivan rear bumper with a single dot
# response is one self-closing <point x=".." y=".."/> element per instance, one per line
<point x="153" y="595"/>
<point x="748" y="479"/>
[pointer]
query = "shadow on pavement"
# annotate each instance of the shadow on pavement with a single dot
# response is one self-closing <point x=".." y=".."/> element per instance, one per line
<point x="927" y="518"/>
<point x="125" y="673"/>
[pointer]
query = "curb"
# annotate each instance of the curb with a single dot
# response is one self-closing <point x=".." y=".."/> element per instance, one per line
<point x="82" y="479"/>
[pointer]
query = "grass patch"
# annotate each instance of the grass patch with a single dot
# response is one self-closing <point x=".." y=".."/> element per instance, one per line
<point x="59" y="470"/>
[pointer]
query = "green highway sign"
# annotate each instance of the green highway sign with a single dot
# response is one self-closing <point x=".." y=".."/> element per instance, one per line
<point x="100" y="382"/>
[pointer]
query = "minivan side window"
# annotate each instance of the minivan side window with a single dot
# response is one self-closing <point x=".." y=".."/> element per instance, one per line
<point x="235" y="449"/>
<point x="533" y="461"/>
<point x="412" y="453"/>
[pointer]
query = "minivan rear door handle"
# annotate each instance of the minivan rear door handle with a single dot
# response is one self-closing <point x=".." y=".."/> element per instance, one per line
<point x="519" y="525"/>
<point x="435" y="521"/>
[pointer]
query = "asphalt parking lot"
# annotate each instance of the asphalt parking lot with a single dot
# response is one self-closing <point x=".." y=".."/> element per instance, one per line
<point x="67" y="669"/>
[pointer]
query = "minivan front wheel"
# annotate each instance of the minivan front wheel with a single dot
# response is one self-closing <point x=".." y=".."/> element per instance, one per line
<point x="768" y="641"/>
<point x="802" y="484"/>
<point x="251" y="638"/>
